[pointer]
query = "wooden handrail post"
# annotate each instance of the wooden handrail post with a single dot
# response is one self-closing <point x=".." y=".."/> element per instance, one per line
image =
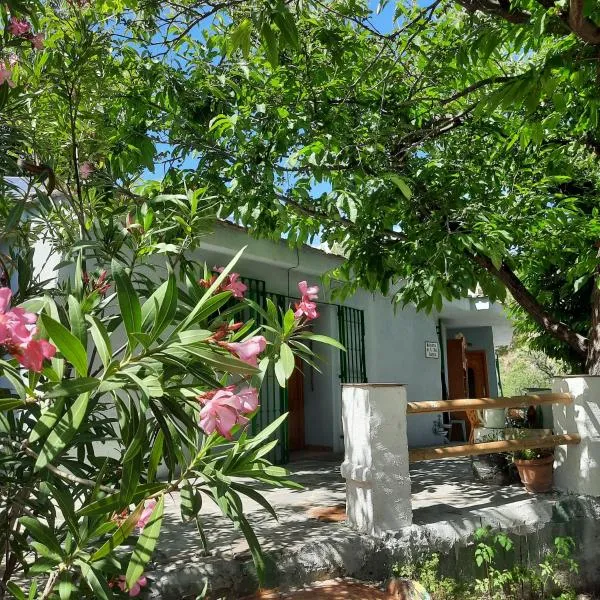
<point x="376" y="457"/>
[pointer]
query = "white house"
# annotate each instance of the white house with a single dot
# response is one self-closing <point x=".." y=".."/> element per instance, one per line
<point x="446" y="354"/>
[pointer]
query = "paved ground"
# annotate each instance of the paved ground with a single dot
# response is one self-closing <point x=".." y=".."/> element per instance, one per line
<point x="442" y="490"/>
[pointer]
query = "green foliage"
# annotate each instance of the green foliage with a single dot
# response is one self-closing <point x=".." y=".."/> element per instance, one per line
<point x="491" y="552"/>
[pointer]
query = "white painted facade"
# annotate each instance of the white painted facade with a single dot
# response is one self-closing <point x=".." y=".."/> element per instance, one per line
<point x="394" y="338"/>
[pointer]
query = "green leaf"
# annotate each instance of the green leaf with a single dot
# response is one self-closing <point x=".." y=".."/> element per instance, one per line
<point x="101" y="340"/>
<point x="47" y="420"/>
<point x="95" y="579"/>
<point x="77" y="320"/>
<point x="187" y="501"/>
<point x="129" y="303"/>
<point x="71" y="387"/>
<point x="145" y="545"/>
<point x="14" y="589"/>
<point x="401" y="185"/>
<point x="63" y="433"/>
<point x="167" y="308"/>
<point x="120" y="535"/>
<point x="69" y="346"/>
<point x="240" y="38"/>
<point x="10" y="404"/>
<point x="113" y="502"/>
<point x="280" y="373"/>
<point x="41" y="533"/>
<point x="287" y="358"/>
<point x="323" y="339"/>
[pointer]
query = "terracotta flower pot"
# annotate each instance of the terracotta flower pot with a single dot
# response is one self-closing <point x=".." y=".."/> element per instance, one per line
<point x="536" y="474"/>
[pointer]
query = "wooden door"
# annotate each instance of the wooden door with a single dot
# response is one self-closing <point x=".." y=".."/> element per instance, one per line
<point x="477" y="374"/>
<point x="296" y="408"/>
<point x="457" y="368"/>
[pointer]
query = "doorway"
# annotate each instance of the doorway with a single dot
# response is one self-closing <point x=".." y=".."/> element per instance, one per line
<point x="477" y="374"/>
<point x="296" y="408"/>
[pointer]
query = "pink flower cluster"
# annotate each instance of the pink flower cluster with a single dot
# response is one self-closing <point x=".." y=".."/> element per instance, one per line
<point x="224" y="408"/>
<point x="231" y="283"/>
<point x="22" y="29"/>
<point x="96" y="284"/>
<point x="17" y="330"/>
<point x="135" y="590"/>
<point x="248" y="350"/>
<point x="307" y="307"/>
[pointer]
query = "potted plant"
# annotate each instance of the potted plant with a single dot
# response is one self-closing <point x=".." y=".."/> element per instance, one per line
<point x="535" y="467"/>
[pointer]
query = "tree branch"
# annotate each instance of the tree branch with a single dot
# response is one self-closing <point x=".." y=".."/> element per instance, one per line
<point x="529" y="303"/>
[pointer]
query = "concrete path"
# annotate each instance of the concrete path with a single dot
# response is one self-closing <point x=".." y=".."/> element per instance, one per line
<point x="442" y="491"/>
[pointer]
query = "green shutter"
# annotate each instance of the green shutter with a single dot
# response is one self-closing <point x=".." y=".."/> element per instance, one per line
<point x="351" y="327"/>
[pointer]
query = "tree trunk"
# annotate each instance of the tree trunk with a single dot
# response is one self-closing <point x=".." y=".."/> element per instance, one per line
<point x="592" y="362"/>
<point x="561" y="331"/>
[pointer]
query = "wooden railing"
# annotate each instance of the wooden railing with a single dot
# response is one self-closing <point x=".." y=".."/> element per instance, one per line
<point x="544" y="441"/>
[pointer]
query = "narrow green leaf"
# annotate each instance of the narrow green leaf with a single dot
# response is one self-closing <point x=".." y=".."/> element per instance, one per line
<point x="323" y="339"/>
<point x="77" y="320"/>
<point x="101" y="340"/>
<point x="120" y="535"/>
<point x="401" y="185"/>
<point x="96" y="580"/>
<point x="64" y="431"/>
<point x="71" y="387"/>
<point x="69" y="346"/>
<point x="47" y="420"/>
<point x="145" y="545"/>
<point x="14" y="589"/>
<point x="129" y="303"/>
<point x="41" y="533"/>
<point x="11" y="403"/>
<point x="113" y="503"/>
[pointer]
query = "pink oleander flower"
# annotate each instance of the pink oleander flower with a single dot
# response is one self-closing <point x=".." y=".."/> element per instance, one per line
<point x="230" y="284"/>
<point x="32" y="355"/>
<point x="6" y="76"/>
<point x="135" y="590"/>
<point x="308" y="292"/>
<point x="145" y="516"/>
<point x="13" y="59"/>
<point x="86" y="169"/>
<point x="17" y="329"/>
<point x="248" y="398"/>
<point x="306" y="307"/>
<point x="223" y="409"/>
<point x="37" y="41"/>
<point x="247" y="350"/>
<point x="18" y="27"/>
<point x="233" y="285"/>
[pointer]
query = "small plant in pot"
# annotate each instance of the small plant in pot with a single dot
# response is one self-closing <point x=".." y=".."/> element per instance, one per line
<point x="535" y="467"/>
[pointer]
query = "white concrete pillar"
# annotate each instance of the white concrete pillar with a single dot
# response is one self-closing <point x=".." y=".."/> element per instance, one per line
<point x="376" y="457"/>
<point x="577" y="467"/>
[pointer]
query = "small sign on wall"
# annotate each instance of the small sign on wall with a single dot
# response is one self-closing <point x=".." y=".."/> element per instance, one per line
<point x="432" y="350"/>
